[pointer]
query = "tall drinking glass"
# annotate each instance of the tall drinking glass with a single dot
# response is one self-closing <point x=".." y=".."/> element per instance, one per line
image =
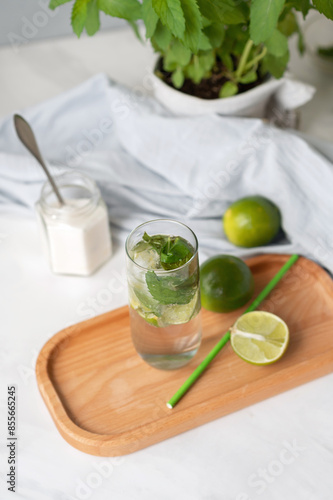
<point x="164" y="294"/>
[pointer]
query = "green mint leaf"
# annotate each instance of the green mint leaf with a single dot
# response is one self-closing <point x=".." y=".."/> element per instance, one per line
<point x="168" y="65"/>
<point x="157" y="241"/>
<point x="325" y="51"/>
<point x="79" y="16"/>
<point x="195" y="71"/>
<point x="224" y="11"/>
<point x="176" y="55"/>
<point x="207" y="60"/>
<point x="288" y="25"/>
<point x="325" y="7"/>
<point x="204" y="43"/>
<point x="206" y="22"/>
<point x="277" y="44"/>
<point x="170" y="290"/>
<point x="178" y="78"/>
<point x="301" y="43"/>
<point x="276" y="66"/>
<point x="301" y="5"/>
<point x="193" y="24"/>
<point x="162" y="37"/>
<point x="149" y="17"/>
<point x="208" y="9"/>
<point x="234" y="11"/>
<point x="215" y="33"/>
<point x="55" y="3"/>
<point x="264" y="18"/>
<point x="249" y="77"/>
<point x="200" y="66"/>
<point x="228" y="89"/>
<point x="125" y="9"/>
<point x="92" y="23"/>
<point x="175" y="253"/>
<point x="135" y="28"/>
<point x="171" y="14"/>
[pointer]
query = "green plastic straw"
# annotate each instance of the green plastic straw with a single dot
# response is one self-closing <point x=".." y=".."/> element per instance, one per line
<point x="203" y="365"/>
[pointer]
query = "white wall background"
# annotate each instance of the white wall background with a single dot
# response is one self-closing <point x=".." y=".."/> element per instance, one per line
<point x="32" y="20"/>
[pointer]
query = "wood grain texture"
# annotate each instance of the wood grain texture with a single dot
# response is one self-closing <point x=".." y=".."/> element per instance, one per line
<point x="106" y="401"/>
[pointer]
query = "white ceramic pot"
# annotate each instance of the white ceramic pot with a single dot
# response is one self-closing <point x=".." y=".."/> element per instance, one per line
<point x="252" y="103"/>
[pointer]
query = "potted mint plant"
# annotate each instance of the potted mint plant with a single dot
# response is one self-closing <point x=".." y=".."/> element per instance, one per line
<point x="227" y="56"/>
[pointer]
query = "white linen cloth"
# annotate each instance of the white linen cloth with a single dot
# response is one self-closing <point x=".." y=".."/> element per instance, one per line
<point x="150" y="164"/>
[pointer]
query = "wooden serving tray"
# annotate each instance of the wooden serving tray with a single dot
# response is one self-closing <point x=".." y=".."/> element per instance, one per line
<point x="106" y="401"/>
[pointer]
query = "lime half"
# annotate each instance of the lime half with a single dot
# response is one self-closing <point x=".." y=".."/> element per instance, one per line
<point x="259" y="337"/>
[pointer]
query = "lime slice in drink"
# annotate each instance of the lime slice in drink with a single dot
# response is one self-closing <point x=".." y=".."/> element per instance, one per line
<point x="174" y="314"/>
<point x="145" y="306"/>
<point x="259" y="337"/>
<point x="149" y="317"/>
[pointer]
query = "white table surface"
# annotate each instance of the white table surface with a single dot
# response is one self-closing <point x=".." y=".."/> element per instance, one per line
<point x="280" y="448"/>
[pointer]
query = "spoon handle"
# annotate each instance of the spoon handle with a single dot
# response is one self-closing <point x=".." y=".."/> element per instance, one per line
<point x="27" y="138"/>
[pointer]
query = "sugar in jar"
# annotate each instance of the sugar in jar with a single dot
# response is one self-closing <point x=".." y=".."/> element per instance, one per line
<point x="76" y="236"/>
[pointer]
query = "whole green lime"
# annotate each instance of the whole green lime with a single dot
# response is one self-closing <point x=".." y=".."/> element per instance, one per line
<point x="226" y="283"/>
<point x="251" y="222"/>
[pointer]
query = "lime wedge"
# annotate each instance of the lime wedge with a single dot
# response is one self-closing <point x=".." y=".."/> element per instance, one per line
<point x="145" y="312"/>
<point x="259" y="337"/>
<point x="177" y="314"/>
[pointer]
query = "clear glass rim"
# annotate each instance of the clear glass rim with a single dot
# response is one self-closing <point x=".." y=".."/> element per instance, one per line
<point x="163" y="271"/>
<point x="89" y="185"/>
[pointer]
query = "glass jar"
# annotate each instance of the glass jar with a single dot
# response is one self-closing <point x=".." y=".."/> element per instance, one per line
<point x="164" y="302"/>
<point x="76" y="235"/>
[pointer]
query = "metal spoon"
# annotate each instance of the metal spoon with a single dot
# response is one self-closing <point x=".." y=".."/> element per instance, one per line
<point x="26" y="136"/>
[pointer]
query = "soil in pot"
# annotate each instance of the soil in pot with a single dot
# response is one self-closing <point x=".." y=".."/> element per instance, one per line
<point x="208" y="88"/>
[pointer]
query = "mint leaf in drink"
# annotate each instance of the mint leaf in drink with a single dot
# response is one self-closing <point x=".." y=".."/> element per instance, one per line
<point x="175" y="253"/>
<point x="170" y="290"/>
<point x="148" y="302"/>
<point x="157" y="241"/>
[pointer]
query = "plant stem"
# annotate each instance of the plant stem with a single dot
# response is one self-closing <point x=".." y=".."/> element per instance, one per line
<point x="255" y="60"/>
<point x="243" y="59"/>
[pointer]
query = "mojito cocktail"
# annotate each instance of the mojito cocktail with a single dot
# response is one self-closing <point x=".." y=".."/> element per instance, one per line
<point x="164" y="295"/>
